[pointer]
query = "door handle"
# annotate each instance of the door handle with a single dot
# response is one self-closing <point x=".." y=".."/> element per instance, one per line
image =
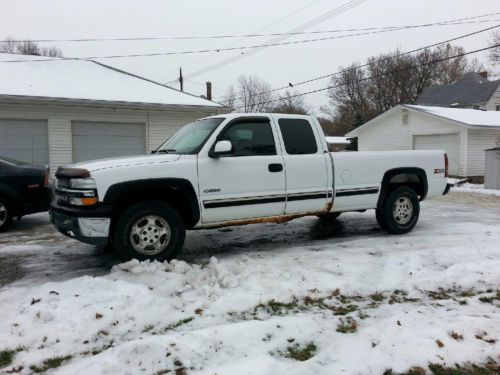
<point x="275" y="167"/>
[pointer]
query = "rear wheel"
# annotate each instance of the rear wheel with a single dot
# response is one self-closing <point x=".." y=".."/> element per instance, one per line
<point x="400" y="211"/>
<point x="150" y="230"/>
<point x="5" y="214"/>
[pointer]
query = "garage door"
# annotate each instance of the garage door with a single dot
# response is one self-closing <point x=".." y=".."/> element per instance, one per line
<point x="96" y="140"/>
<point x="447" y="142"/>
<point x="25" y="140"/>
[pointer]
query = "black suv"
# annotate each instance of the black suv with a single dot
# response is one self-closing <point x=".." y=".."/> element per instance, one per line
<point x="24" y="190"/>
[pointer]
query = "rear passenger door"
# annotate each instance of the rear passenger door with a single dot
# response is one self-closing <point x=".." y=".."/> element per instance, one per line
<point x="305" y="165"/>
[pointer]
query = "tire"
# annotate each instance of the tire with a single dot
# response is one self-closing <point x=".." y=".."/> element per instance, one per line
<point x="5" y="214"/>
<point x="379" y="214"/>
<point x="330" y="216"/>
<point x="400" y="211"/>
<point x="149" y="231"/>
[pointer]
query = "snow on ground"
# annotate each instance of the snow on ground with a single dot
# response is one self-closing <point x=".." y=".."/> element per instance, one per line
<point x="476" y="188"/>
<point x="244" y="300"/>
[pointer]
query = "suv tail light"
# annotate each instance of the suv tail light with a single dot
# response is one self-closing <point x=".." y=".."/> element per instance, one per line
<point x="445" y="165"/>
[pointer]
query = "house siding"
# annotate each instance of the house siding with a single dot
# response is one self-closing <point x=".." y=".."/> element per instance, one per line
<point x="160" y="124"/>
<point x="494" y="101"/>
<point x="480" y="140"/>
<point x="389" y="133"/>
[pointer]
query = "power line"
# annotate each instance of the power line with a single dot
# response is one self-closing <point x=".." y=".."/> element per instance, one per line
<point x="376" y="76"/>
<point x="199" y="51"/>
<point x="294" y="84"/>
<point x="253" y="50"/>
<point x="229" y="36"/>
<point x="244" y="38"/>
<point x="211" y="50"/>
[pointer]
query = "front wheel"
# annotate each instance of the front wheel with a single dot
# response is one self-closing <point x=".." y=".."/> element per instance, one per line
<point x="400" y="211"/>
<point x="149" y="230"/>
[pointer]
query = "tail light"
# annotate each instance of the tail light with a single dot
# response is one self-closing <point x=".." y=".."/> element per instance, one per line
<point x="46" y="178"/>
<point x="445" y="165"/>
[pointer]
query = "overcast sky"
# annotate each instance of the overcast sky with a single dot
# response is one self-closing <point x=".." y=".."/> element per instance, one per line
<point x="51" y="19"/>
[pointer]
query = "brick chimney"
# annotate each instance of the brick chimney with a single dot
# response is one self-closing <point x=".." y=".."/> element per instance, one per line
<point x="484" y="74"/>
<point x="209" y="90"/>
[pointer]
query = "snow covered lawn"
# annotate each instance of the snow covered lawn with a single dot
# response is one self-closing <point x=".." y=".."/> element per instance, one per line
<point x="306" y="297"/>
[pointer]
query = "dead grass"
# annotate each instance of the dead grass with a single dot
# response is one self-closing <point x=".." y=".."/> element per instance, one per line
<point x="300" y="353"/>
<point x="50" y="363"/>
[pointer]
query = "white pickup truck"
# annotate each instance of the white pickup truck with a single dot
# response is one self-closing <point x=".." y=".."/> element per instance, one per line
<point x="237" y="169"/>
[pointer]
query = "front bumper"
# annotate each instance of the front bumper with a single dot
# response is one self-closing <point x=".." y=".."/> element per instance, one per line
<point x="81" y="224"/>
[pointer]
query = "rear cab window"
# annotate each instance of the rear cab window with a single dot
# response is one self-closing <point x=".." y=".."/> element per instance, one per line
<point x="298" y="136"/>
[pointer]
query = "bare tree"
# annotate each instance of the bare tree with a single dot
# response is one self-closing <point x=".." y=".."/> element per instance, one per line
<point x="359" y="94"/>
<point x="291" y="104"/>
<point x="9" y="46"/>
<point x="249" y="94"/>
<point x="253" y="94"/>
<point x="28" y="47"/>
<point x="495" y="52"/>
<point x="229" y="100"/>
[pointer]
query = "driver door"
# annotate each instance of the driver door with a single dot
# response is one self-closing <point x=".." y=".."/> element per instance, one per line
<point x="248" y="183"/>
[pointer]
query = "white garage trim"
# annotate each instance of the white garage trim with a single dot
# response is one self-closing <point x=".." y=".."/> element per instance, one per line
<point x="96" y="140"/>
<point x="25" y="140"/>
<point x="449" y="142"/>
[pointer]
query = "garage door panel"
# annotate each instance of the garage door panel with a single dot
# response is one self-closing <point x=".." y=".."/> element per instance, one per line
<point x="450" y="143"/>
<point x="108" y="128"/>
<point x="25" y="140"/>
<point x="103" y="142"/>
<point x="93" y="140"/>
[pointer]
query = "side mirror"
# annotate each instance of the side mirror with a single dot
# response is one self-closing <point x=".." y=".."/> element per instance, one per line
<point x="221" y="148"/>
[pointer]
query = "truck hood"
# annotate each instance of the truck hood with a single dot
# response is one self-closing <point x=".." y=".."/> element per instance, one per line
<point x="95" y="165"/>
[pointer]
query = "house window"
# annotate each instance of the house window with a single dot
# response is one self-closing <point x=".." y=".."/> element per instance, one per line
<point x="406" y="117"/>
<point x="498" y="108"/>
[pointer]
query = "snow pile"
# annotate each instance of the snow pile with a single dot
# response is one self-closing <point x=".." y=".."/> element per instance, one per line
<point x="359" y="304"/>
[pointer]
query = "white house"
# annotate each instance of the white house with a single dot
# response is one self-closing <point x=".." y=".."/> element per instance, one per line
<point x="463" y="133"/>
<point x="58" y="112"/>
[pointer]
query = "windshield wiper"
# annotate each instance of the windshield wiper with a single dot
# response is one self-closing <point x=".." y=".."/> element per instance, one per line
<point x="165" y="151"/>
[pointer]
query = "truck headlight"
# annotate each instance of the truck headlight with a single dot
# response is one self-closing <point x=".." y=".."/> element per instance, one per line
<point x="82" y="183"/>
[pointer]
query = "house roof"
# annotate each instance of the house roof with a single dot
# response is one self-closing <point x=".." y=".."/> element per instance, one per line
<point x="85" y="80"/>
<point x="472" y="118"/>
<point x="471" y="89"/>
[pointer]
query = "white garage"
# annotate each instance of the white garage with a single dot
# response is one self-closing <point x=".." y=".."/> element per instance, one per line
<point x="95" y="140"/>
<point x="25" y="140"/>
<point x="463" y="134"/>
<point x="447" y="142"/>
<point x="59" y="112"/>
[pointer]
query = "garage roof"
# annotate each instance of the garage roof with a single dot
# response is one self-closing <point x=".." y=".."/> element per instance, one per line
<point x="465" y="117"/>
<point x="85" y="80"/>
<point x="469" y="117"/>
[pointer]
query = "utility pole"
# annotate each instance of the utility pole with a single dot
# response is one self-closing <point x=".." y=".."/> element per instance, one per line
<point x="209" y="90"/>
<point x="181" y="79"/>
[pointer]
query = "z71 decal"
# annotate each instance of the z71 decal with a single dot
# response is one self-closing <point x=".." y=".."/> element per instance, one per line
<point x="438" y="170"/>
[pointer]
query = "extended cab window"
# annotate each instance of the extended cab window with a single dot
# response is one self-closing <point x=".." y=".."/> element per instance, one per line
<point x="298" y="136"/>
<point x="250" y="138"/>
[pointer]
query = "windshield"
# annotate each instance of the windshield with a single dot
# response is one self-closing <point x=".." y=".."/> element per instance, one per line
<point x="191" y="137"/>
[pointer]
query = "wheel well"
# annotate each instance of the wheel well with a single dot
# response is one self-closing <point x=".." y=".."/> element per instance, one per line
<point x="414" y="178"/>
<point x="181" y="198"/>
